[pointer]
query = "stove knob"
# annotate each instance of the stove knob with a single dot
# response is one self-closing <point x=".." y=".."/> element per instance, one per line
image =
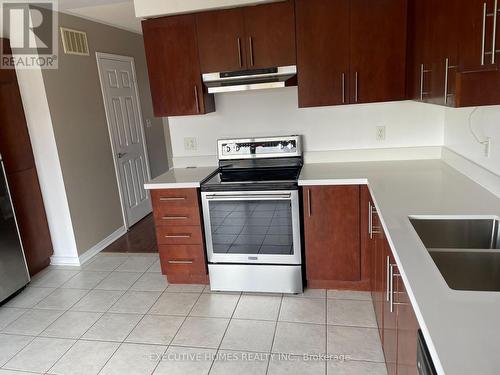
<point x="289" y="145"/>
<point x="228" y="148"/>
<point x="280" y="146"/>
<point x="237" y="148"/>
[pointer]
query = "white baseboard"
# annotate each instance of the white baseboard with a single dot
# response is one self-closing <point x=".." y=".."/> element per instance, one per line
<point x="482" y="176"/>
<point x="97" y="248"/>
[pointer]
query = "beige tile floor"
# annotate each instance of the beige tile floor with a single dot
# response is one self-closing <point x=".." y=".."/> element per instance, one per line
<point x="118" y="315"/>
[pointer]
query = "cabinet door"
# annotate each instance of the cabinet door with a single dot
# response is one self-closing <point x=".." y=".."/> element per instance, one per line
<point x="380" y="275"/>
<point x="15" y="144"/>
<point x="174" y="68"/>
<point x="390" y="344"/>
<point x="475" y="32"/>
<point x="31" y="218"/>
<point x="331" y="228"/>
<point x="221" y="40"/>
<point x="270" y="34"/>
<point x="419" y="49"/>
<point x="378" y="50"/>
<point x="322" y="52"/>
<point x="407" y="332"/>
<point x="444" y="51"/>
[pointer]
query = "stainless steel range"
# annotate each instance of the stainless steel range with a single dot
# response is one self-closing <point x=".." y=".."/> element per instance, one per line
<point x="251" y="216"/>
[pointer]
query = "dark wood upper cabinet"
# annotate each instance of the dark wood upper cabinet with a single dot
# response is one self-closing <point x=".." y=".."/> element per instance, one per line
<point x="221" y="40"/>
<point x="174" y="67"/>
<point x="476" y="33"/>
<point x="332" y="234"/>
<point x="253" y="37"/>
<point x="378" y="50"/>
<point x="323" y="52"/>
<point x="270" y="34"/>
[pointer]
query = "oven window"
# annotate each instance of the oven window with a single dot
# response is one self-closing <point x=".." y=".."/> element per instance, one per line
<point x="252" y="227"/>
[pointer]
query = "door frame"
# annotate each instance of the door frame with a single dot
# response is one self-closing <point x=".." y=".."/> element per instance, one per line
<point x="129" y="59"/>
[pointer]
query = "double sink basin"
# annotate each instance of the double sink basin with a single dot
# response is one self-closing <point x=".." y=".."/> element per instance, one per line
<point x="466" y="251"/>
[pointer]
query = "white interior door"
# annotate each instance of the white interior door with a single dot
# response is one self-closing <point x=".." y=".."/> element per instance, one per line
<point x="119" y="88"/>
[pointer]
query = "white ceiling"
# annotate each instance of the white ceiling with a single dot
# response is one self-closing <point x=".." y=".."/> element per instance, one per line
<point x="122" y="14"/>
<point x="118" y="13"/>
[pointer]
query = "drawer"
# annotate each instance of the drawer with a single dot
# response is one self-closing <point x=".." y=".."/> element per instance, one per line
<point x="174" y="198"/>
<point x="179" y="260"/>
<point x="177" y="215"/>
<point x="179" y="235"/>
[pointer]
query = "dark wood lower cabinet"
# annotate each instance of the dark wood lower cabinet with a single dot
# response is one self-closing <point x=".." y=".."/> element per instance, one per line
<point x="179" y="234"/>
<point x="390" y="321"/>
<point x="17" y="155"/>
<point x="31" y="219"/>
<point x="407" y="332"/>
<point x="332" y="236"/>
<point x="395" y="317"/>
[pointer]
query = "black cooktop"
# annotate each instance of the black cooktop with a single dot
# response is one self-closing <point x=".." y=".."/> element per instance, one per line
<point x="244" y="175"/>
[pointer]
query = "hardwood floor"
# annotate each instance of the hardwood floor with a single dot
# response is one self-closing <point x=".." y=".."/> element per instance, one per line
<point x="141" y="238"/>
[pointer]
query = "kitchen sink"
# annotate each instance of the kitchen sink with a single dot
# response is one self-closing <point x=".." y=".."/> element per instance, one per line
<point x="466" y="251"/>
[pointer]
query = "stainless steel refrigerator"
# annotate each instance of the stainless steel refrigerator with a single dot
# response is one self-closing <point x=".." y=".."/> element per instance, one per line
<point x="13" y="270"/>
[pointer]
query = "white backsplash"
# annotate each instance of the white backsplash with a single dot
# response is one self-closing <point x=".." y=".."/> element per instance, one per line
<point x="409" y="125"/>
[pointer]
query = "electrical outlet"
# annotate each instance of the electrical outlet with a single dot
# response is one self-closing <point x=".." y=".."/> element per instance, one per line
<point x="190" y="144"/>
<point x="380" y="133"/>
<point x="148" y="123"/>
<point x="487" y="147"/>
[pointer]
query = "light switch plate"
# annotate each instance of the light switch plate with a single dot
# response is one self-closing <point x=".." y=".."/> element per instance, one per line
<point x="190" y="144"/>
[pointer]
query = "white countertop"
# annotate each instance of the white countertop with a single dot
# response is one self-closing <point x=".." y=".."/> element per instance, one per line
<point x="461" y="328"/>
<point x="180" y="178"/>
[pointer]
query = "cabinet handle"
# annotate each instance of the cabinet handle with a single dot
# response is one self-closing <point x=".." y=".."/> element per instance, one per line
<point x="387" y="276"/>
<point x="239" y="53"/>
<point x="494" y="39"/>
<point x="168" y="199"/>
<point x="250" y="40"/>
<point x="423" y="71"/>
<point x="356" y="88"/>
<point x="174" y="218"/>
<point x="447" y="70"/>
<point x="196" y="97"/>
<point x="392" y="303"/>
<point x="309" y="202"/>
<point x="178" y="236"/>
<point x="483" y="40"/>
<point x="343" y="88"/>
<point x="370" y="218"/>
<point x="180" y="261"/>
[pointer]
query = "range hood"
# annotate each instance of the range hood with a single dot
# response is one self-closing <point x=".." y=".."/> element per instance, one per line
<point x="256" y="79"/>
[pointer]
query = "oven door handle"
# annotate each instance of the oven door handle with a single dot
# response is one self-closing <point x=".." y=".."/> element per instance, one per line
<point x="214" y="197"/>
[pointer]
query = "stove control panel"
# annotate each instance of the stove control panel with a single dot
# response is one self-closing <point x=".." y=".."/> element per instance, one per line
<point x="269" y="147"/>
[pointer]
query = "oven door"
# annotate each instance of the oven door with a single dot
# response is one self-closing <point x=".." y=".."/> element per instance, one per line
<point x="252" y="227"/>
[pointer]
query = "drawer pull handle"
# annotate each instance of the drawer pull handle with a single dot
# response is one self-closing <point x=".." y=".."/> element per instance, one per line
<point x="178" y="236"/>
<point x="180" y="261"/>
<point x="168" y="199"/>
<point x="174" y="218"/>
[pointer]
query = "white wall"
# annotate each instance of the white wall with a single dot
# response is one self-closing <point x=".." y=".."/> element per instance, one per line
<point x="275" y="112"/>
<point x="486" y="123"/>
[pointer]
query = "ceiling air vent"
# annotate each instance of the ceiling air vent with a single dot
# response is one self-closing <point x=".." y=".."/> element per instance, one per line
<point x="74" y="42"/>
